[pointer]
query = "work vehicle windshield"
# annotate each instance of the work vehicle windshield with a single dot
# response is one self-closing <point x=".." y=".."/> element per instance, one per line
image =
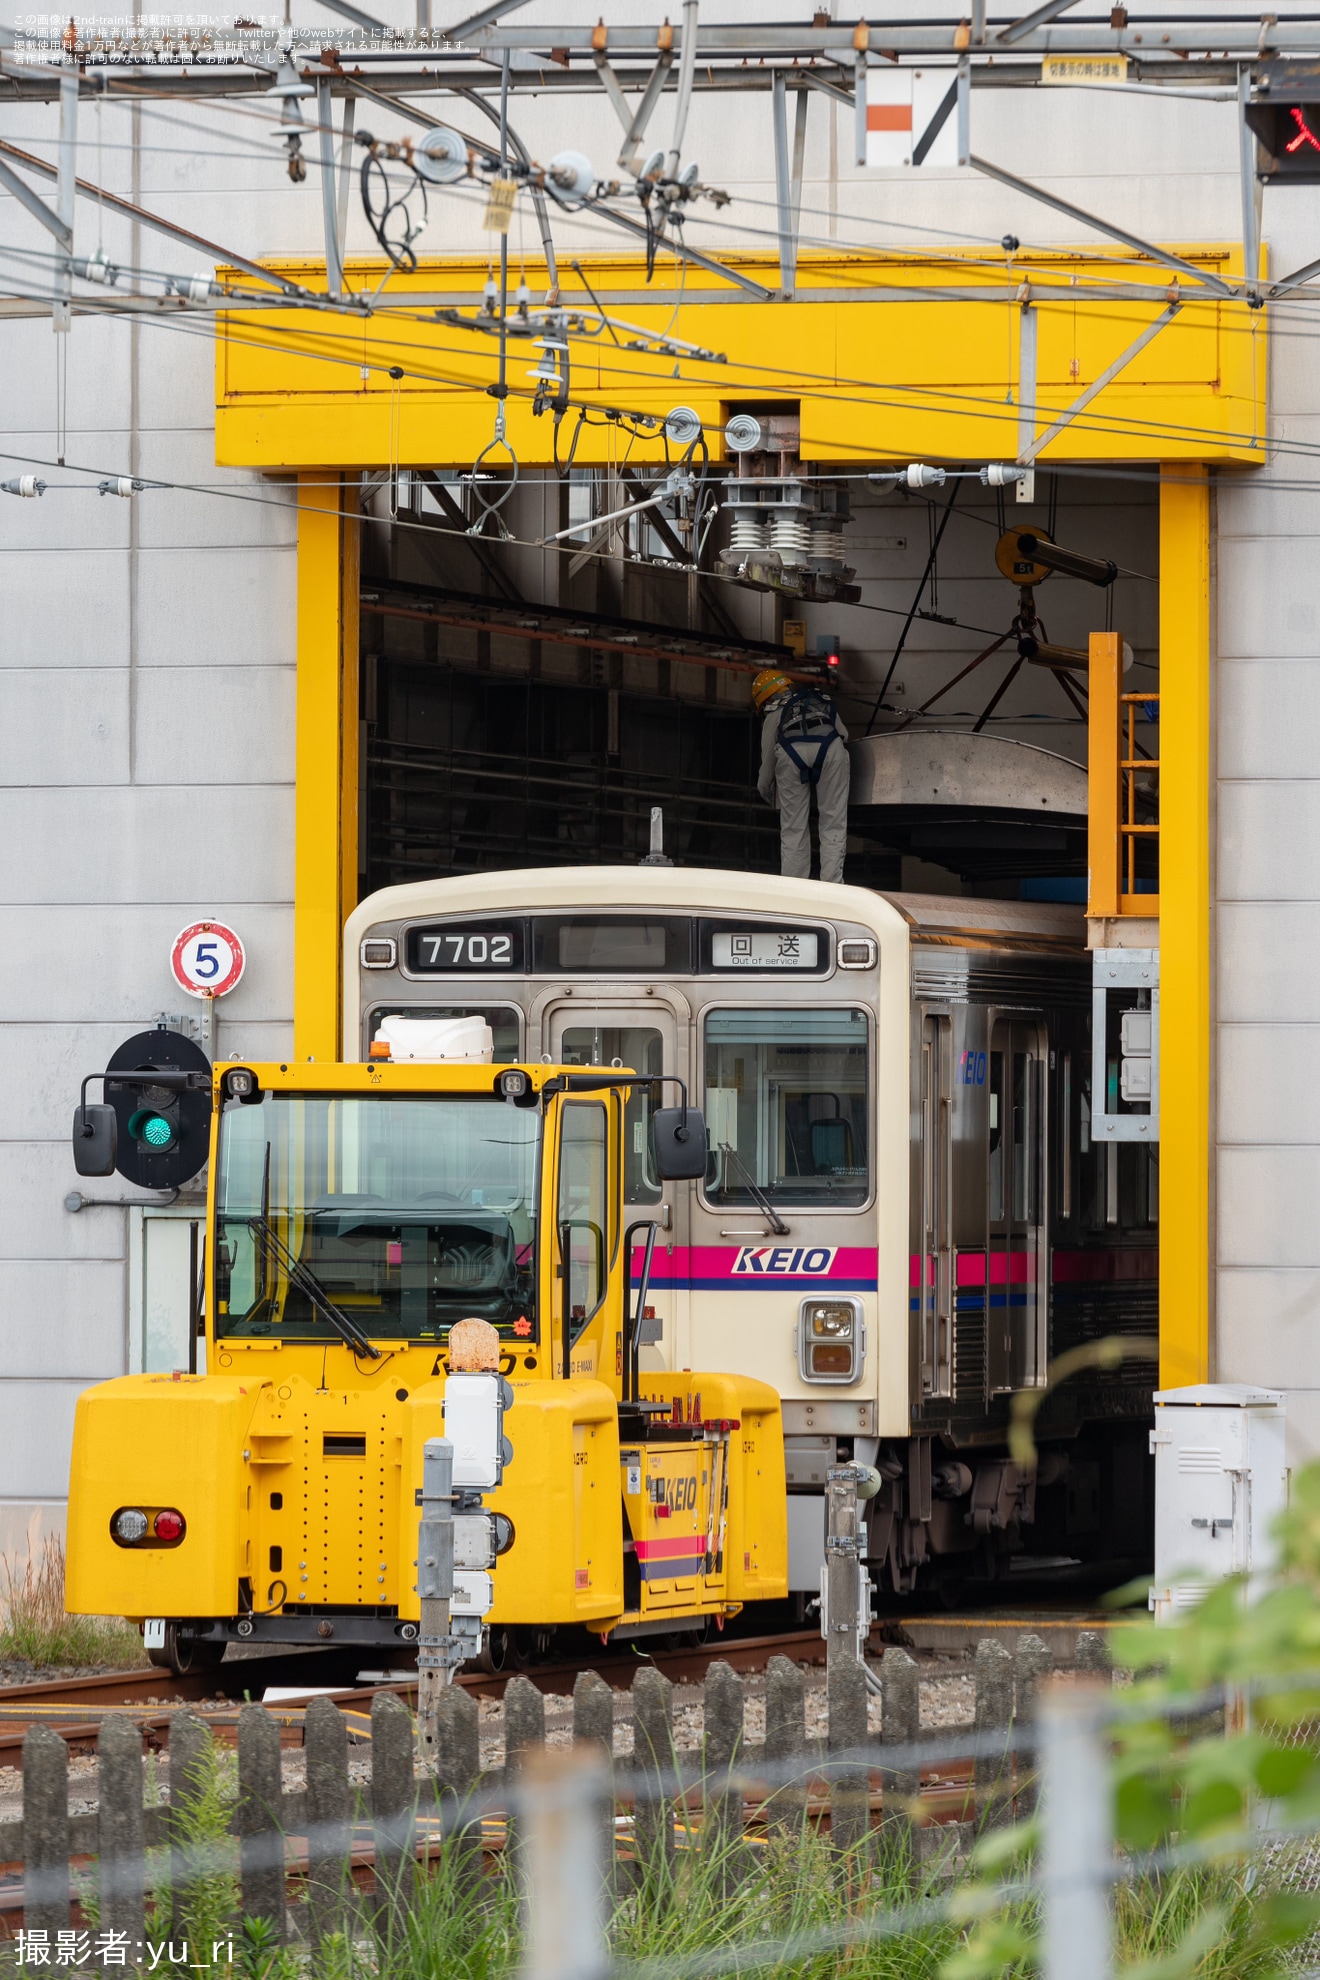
<point x="377" y="1218"/>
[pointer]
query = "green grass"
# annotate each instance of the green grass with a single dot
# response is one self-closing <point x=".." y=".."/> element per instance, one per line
<point x="786" y="1907"/>
<point x="36" y="1629"/>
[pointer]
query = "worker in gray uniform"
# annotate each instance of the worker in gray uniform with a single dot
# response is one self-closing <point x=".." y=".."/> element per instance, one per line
<point x="804" y="747"/>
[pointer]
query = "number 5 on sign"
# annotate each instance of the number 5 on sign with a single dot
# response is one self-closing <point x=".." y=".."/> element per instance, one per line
<point x="207" y="959"/>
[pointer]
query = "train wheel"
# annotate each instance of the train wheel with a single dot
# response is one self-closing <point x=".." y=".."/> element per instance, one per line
<point x="530" y="1647"/>
<point x="186" y="1654"/>
<point x="495" y="1653"/>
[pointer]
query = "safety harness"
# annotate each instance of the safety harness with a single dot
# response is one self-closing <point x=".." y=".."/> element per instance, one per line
<point x="806" y="721"/>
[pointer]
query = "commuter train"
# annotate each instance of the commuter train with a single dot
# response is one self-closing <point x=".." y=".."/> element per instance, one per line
<point x="903" y="1220"/>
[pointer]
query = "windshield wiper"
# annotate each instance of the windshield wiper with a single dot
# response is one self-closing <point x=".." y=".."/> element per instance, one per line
<point x="758" y="1195"/>
<point x="313" y="1291"/>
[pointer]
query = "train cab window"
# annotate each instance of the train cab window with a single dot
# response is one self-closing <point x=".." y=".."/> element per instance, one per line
<point x="390" y="1217"/>
<point x="505" y="1023"/>
<point x="641" y="1048"/>
<point x="787" y="1107"/>
<point x="582" y="1208"/>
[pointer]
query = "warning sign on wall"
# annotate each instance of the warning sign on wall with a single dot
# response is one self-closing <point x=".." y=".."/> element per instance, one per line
<point x="911" y="117"/>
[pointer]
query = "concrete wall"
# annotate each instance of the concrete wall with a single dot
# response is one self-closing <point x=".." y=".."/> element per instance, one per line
<point x="146" y="755"/>
<point x="1267" y="893"/>
<point x="146" y="761"/>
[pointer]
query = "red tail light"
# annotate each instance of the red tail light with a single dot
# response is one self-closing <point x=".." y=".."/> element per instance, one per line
<point x="168" y="1526"/>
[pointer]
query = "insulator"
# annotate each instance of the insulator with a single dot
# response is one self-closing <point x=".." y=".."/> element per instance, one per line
<point x="827" y="543"/>
<point x="441" y="157"/>
<point x="570" y="175"/>
<point x="743" y="434"/>
<point x="682" y="426"/>
<point x="790" y="536"/>
<point x="748" y="532"/>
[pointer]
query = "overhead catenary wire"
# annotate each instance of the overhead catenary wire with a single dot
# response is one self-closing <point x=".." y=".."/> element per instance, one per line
<point x="909" y="398"/>
<point x="781" y="371"/>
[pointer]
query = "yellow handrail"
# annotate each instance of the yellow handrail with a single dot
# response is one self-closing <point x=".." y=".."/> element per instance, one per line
<point x="1129" y="830"/>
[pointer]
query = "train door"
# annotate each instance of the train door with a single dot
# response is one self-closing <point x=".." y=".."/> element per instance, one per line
<point x="643" y="1036"/>
<point x="1015" y="1307"/>
<point x="936" y="1261"/>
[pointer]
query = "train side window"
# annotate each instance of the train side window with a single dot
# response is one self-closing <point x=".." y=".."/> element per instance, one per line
<point x="1020" y="1136"/>
<point x="1027" y="1110"/>
<point x="582" y="1209"/>
<point x="1065" y="1135"/>
<point x="996" y="1136"/>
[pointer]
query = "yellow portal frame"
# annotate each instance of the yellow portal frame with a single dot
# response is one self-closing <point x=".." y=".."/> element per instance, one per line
<point x="889" y="357"/>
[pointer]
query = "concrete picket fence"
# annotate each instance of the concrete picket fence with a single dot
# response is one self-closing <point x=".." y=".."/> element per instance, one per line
<point x="401" y="1817"/>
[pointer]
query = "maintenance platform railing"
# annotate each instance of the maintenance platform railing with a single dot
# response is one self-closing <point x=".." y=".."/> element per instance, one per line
<point x="1123" y="788"/>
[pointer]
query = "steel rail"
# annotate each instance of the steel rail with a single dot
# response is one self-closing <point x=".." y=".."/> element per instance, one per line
<point x="77" y="1707"/>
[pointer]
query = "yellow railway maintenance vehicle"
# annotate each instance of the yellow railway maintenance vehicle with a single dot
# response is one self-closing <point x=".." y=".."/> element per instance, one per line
<point x="355" y="1213"/>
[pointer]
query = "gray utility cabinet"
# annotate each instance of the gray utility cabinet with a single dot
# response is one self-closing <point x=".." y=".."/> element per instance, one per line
<point x="1221" y="1480"/>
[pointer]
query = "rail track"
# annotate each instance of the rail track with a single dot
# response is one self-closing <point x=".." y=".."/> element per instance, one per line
<point x="77" y="1707"/>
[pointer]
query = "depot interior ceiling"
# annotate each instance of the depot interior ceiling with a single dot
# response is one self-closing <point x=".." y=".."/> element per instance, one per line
<point x="524" y="707"/>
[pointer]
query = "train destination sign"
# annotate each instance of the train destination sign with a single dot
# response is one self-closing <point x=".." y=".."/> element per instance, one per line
<point x="764" y="948"/>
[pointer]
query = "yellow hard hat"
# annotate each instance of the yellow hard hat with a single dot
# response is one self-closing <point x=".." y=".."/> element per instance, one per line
<point x="768" y="683"/>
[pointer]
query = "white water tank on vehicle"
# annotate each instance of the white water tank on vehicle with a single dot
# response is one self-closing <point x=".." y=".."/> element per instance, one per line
<point x="437" y="1041"/>
<point x="1221" y="1480"/>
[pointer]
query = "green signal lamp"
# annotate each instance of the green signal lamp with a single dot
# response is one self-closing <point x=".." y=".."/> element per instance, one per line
<point x="153" y="1129"/>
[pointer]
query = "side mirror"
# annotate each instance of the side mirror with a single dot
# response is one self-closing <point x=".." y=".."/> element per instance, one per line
<point x="680" y="1144"/>
<point x="95" y="1140"/>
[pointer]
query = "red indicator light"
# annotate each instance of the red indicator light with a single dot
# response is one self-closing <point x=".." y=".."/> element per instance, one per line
<point x="169" y="1525"/>
<point x="1305" y="135"/>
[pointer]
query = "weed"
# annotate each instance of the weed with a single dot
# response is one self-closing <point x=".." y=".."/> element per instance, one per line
<point x="38" y="1631"/>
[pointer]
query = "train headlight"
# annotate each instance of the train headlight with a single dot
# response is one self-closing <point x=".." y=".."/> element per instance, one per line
<point x="831" y="1340"/>
<point x="128" y="1526"/>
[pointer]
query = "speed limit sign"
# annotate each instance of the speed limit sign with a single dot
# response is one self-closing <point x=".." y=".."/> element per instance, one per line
<point x="207" y="959"/>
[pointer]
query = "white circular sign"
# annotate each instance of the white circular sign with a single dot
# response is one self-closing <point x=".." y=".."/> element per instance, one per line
<point x="207" y="959"/>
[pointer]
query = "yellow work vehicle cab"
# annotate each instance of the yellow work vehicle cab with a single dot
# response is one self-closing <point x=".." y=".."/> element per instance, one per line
<point x="355" y="1213"/>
